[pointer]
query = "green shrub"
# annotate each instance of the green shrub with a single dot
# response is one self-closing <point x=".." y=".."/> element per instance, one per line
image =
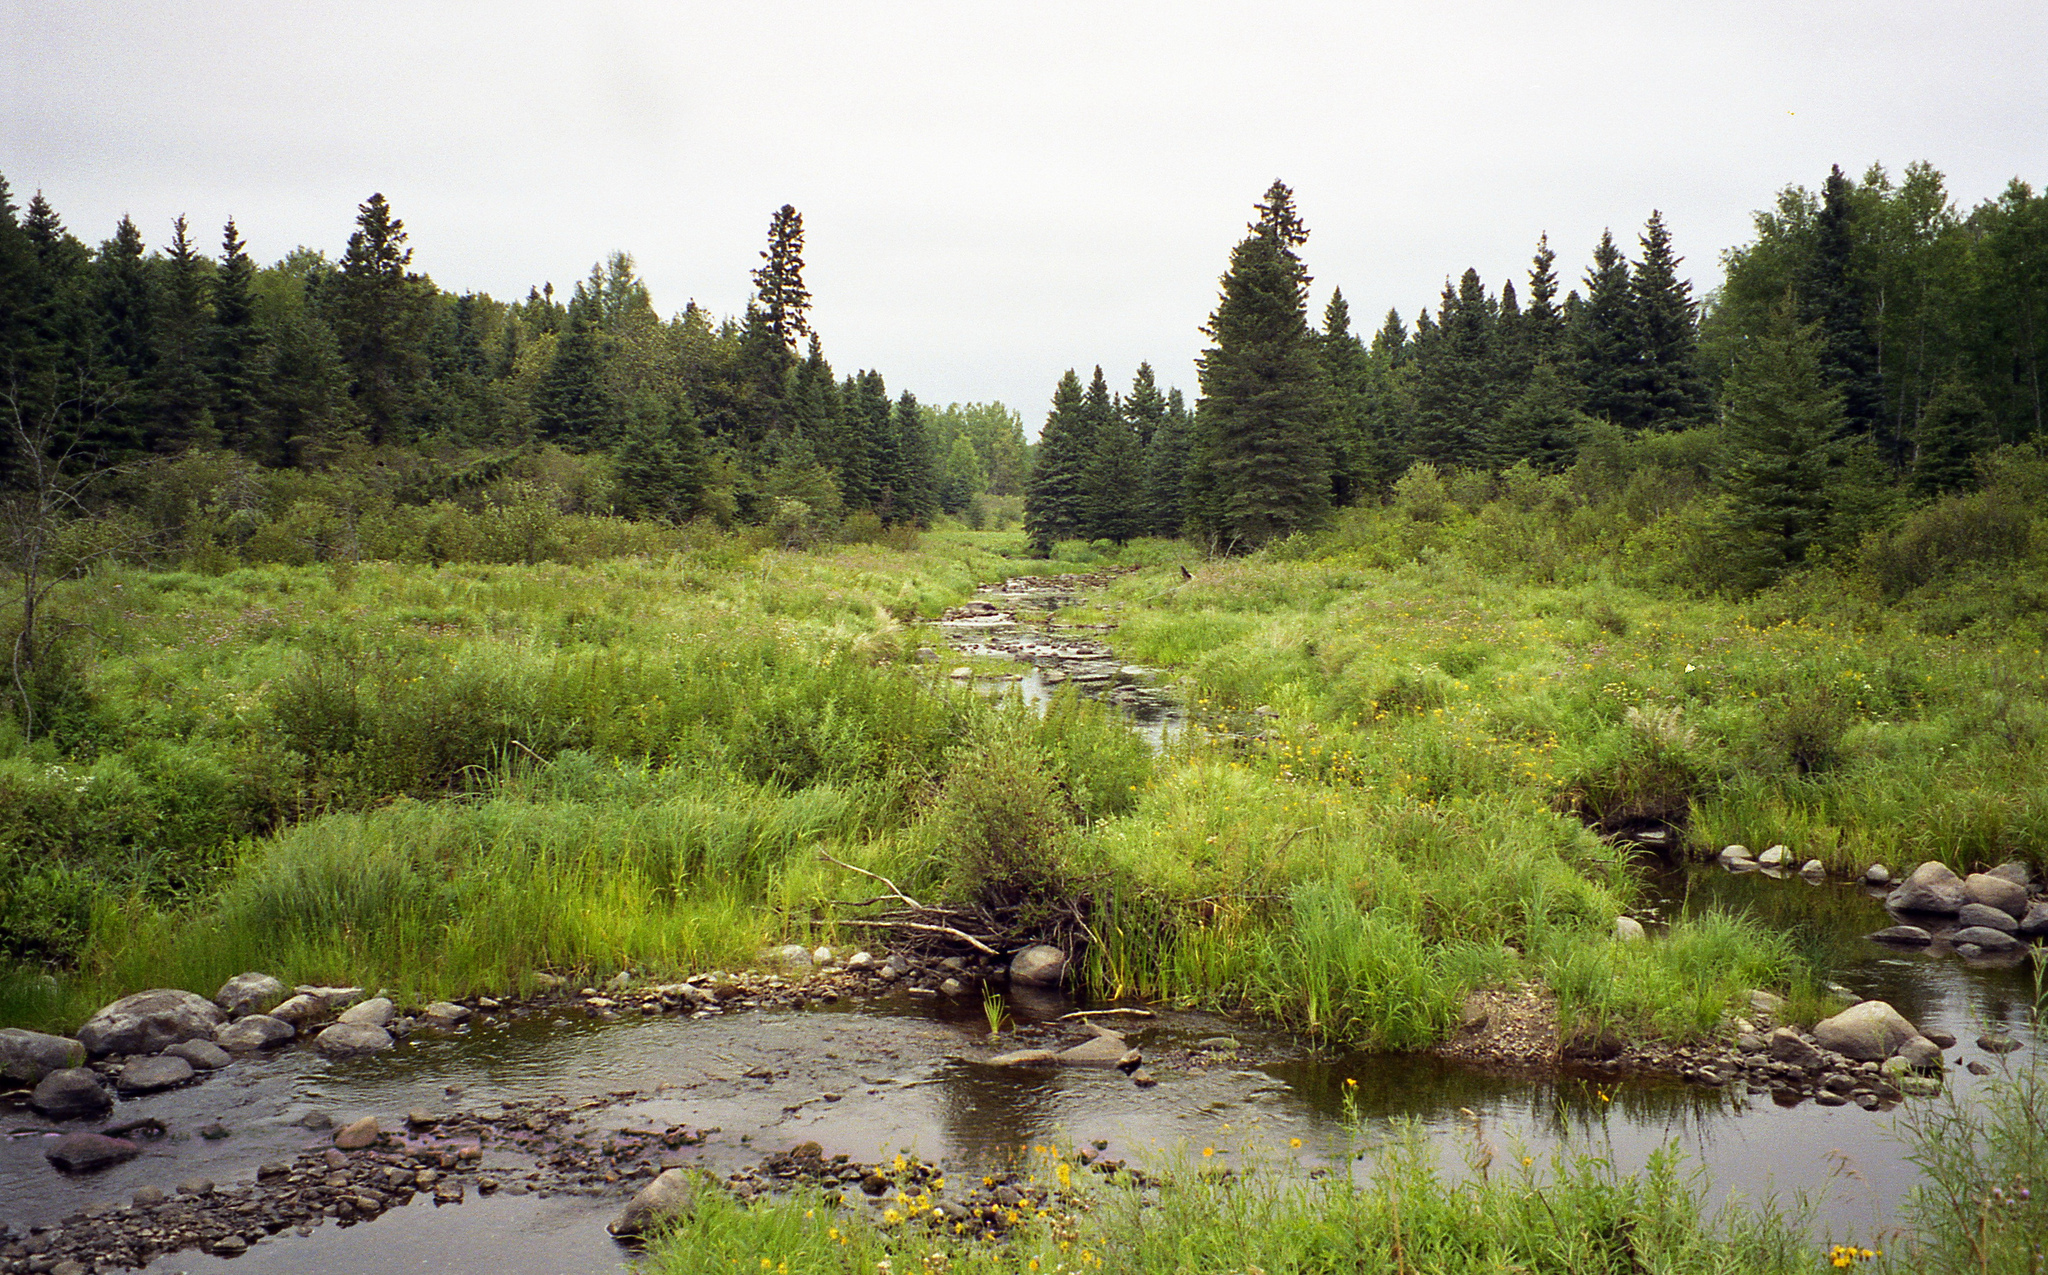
<point x="1982" y="527"/>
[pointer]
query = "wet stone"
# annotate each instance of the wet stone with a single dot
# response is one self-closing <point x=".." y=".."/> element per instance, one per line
<point x="150" y="1075"/>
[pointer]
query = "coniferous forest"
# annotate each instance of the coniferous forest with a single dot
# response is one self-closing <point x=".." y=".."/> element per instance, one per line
<point x="1866" y="345"/>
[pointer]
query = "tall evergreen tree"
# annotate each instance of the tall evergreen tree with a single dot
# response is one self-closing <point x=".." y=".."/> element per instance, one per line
<point x="1055" y="498"/>
<point x="1116" y="481"/>
<point x="1543" y="324"/>
<point x="1783" y="419"/>
<point x="914" y="486"/>
<point x="1098" y="413"/>
<point x="1604" y="337"/>
<point x="779" y="283"/>
<point x="380" y="313"/>
<point x="1347" y="368"/>
<point x="237" y="348"/>
<point x="1668" y="391"/>
<point x="1260" y="469"/>
<point x="1166" y="464"/>
<point x="1144" y="407"/>
<point x="660" y="461"/>
<point x="181" y="393"/>
<point x="1455" y="390"/>
<point x="1953" y="429"/>
<point x="124" y="302"/>
<point x="1832" y="295"/>
<point x="570" y="404"/>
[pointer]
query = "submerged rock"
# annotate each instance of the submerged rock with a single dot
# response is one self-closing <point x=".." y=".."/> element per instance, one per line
<point x="89" y="1152"/>
<point x="150" y="1075"/>
<point x="1931" y="887"/>
<point x="1025" y="1058"/>
<point x="149" y="1021"/>
<point x="1991" y="942"/>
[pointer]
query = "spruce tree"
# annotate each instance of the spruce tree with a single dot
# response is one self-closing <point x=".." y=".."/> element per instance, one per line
<point x="1542" y="424"/>
<point x="570" y="403"/>
<point x="1832" y="295"/>
<point x="380" y="312"/>
<point x="236" y="348"/>
<point x="1055" y="496"/>
<point x="915" y="487"/>
<point x="1783" y="421"/>
<point x="779" y="283"/>
<point x="1347" y="369"/>
<point x="1543" y="325"/>
<point x="1954" y="427"/>
<point x="1668" y="391"/>
<point x="1116" y="482"/>
<point x="1604" y="337"/>
<point x="1166" y="464"/>
<point x="1260" y="468"/>
<point x="1455" y="393"/>
<point x="659" y="461"/>
<point x="1098" y="413"/>
<point x="1144" y="407"/>
<point x="124" y="303"/>
<point x="180" y="393"/>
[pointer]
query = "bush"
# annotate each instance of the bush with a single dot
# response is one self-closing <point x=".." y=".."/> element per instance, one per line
<point x="1003" y="823"/>
<point x="1980" y="528"/>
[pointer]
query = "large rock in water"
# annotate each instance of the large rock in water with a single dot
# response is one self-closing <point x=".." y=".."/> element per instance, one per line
<point x="257" y="1031"/>
<point x="249" y="994"/>
<point x="378" y="1011"/>
<point x="89" y="1152"/>
<point x="672" y="1194"/>
<point x="149" y="1021"/>
<point x="1986" y="938"/>
<point x="1996" y="892"/>
<point x="1987" y="916"/>
<point x="148" y="1075"/>
<point x="1931" y="887"/>
<point x="74" y="1091"/>
<point x="1040" y="965"/>
<point x="2035" y="924"/>
<point x="26" y="1056"/>
<point x="343" y="1039"/>
<point x="1869" y="1031"/>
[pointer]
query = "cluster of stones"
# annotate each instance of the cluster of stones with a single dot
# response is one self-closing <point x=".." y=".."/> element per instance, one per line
<point x="365" y="1174"/>
<point x="1868" y="1054"/>
<point x="1986" y="914"/>
<point x="1775" y="861"/>
<point x="165" y="1038"/>
<point x="1083" y="661"/>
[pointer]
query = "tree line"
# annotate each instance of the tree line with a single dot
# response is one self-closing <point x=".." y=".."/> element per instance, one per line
<point x="1872" y="335"/>
<point x="121" y="354"/>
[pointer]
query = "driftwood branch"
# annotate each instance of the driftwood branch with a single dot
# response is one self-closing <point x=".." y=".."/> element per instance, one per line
<point x="895" y="890"/>
<point x="924" y="927"/>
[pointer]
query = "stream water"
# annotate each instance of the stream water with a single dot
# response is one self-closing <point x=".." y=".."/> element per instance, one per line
<point x="909" y="1073"/>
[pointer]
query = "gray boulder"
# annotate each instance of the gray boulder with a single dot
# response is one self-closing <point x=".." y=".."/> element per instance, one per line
<point x="89" y="1153"/>
<point x="332" y="997"/>
<point x="1628" y="930"/>
<point x="671" y="1195"/>
<point x="2014" y="871"/>
<point x="1786" y="1045"/>
<point x="1040" y="965"/>
<point x="257" y="1031"/>
<point x="2035" y="923"/>
<point x="300" y="1010"/>
<point x="358" y="1134"/>
<point x="1868" y="1031"/>
<point x="204" y="1055"/>
<point x="149" y="1021"/>
<point x="74" y="1091"/>
<point x="1729" y="854"/>
<point x="150" y="1075"/>
<point x="1877" y="874"/>
<point x="791" y="956"/>
<point x="26" y="1056"/>
<point x="1985" y="915"/>
<point x="2007" y="896"/>
<point x="448" y="1013"/>
<point x="1931" y="887"/>
<point x="249" y="994"/>
<point x="378" y="1011"/>
<point x="1102" y="1051"/>
<point x="1902" y="935"/>
<point x="1920" y="1052"/>
<point x="1775" y="857"/>
<point x="1991" y="941"/>
<point x="344" y="1039"/>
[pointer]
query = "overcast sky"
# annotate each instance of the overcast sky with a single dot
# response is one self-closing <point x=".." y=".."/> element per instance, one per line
<point x="995" y="192"/>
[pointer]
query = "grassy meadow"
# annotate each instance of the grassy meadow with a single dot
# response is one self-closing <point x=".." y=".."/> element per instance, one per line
<point x="1410" y="729"/>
